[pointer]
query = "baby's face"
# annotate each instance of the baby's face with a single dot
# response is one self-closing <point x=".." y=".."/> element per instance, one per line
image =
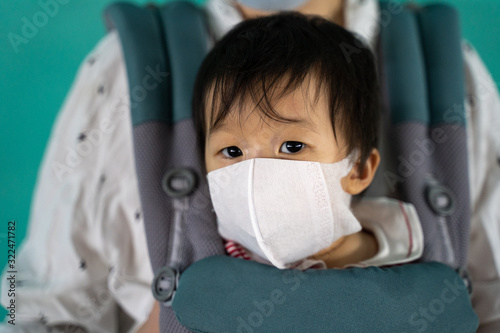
<point x="248" y="134"/>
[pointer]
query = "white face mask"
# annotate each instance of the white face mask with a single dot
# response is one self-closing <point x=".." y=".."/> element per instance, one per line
<point x="282" y="210"/>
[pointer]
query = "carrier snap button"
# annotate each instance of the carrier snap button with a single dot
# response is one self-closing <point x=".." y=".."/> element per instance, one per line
<point x="440" y="199"/>
<point x="164" y="284"/>
<point x="466" y="279"/>
<point x="179" y="182"/>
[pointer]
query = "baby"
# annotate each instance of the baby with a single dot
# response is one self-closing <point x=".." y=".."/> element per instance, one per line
<point x="287" y="110"/>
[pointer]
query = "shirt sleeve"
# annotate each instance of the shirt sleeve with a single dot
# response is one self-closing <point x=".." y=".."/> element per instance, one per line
<point x="483" y="122"/>
<point x="84" y="260"/>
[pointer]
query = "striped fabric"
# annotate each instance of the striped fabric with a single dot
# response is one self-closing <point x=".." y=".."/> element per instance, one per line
<point x="236" y="250"/>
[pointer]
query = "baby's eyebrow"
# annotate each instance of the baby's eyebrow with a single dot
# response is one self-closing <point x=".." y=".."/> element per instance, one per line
<point x="300" y="122"/>
<point x="303" y="122"/>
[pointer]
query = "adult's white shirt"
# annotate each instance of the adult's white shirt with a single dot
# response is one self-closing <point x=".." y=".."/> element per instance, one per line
<point x="84" y="260"/>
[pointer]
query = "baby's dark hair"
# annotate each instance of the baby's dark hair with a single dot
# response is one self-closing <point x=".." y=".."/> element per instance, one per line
<point x="264" y="59"/>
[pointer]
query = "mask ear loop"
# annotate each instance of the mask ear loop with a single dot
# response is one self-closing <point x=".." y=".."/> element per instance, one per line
<point x="352" y="158"/>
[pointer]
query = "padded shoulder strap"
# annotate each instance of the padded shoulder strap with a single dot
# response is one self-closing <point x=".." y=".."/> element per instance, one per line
<point x="163" y="49"/>
<point x="187" y="44"/>
<point x="426" y="146"/>
<point x="143" y="43"/>
<point x="441" y="45"/>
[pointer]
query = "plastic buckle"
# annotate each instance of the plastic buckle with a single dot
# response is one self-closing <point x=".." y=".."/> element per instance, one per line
<point x="179" y="182"/>
<point x="466" y="279"/>
<point x="164" y="284"/>
<point x="440" y="199"/>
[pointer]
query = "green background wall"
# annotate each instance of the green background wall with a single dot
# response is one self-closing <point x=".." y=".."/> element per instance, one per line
<point x="35" y="80"/>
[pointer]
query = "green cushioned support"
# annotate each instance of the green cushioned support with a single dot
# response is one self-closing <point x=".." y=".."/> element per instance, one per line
<point x="405" y="67"/>
<point x="225" y="294"/>
<point x="441" y="41"/>
<point x="187" y="38"/>
<point x="163" y="49"/>
<point x="424" y="65"/>
<point x="141" y="36"/>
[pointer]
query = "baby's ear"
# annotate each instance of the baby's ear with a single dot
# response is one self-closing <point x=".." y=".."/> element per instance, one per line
<point x="356" y="182"/>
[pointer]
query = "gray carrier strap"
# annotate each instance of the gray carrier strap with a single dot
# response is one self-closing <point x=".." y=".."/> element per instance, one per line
<point x="163" y="48"/>
<point x="423" y="139"/>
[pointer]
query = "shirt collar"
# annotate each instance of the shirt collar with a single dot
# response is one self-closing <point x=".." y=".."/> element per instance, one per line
<point x="361" y="17"/>
<point x="222" y="17"/>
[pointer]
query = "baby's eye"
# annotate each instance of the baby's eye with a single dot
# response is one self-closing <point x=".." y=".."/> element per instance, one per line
<point x="231" y="152"/>
<point x="292" y="147"/>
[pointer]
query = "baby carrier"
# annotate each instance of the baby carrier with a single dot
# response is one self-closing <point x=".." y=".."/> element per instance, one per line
<point x="424" y="161"/>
